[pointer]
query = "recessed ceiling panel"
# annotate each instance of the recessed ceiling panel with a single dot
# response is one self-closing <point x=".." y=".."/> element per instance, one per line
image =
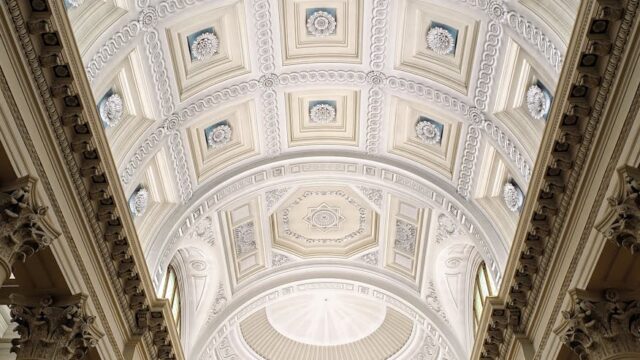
<point x="323" y="117"/>
<point x="209" y="48"/>
<point x="436" y="42"/>
<point x="425" y="135"/>
<point x="321" y="31"/>
<point x="222" y="138"/>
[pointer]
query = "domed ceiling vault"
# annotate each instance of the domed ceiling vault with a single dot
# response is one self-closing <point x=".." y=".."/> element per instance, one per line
<point x="338" y="150"/>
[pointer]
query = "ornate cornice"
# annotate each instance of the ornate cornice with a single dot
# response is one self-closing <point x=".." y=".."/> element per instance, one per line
<point x="624" y="230"/>
<point x="26" y="138"/>
<point x="24" y="229"/>
<point x="54" y="66"/>
<point x="48" y="328"/>
<point x="589" y="74"/>
<point x="601" y="325"/>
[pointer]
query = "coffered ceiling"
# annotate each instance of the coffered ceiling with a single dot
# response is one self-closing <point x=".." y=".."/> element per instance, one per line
<point x="333" y="158"/>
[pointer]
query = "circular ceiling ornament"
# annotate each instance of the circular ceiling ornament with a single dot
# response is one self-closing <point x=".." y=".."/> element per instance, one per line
<point x="496" y="9"/>
<point x="427" y="132"/>
<point x="324" y="217"/>
<point x="139" y="201"/>
<point x="475" y="115"/>
<point x="440" y="41"/>
<point x="111" y="110"/>
<point x="205" y="46"/>
<point x="376" y="78"/>
<point x="538" y="102"/>
<point x="148" y="18"/>
<point x="321" y="23"/>
<point x="322" y="114"/>
<point x="269" y="81"/>
<point x="219" y="136"/>
<point x="512" y="196"/>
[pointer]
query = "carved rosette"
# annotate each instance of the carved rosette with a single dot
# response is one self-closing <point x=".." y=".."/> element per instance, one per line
<point x="269" y="81"/>
<point x="148" y="18"/>
<point x="625" y="227"/>
<point x="601" y="325"/>
<point x="139" y="202"/>
<point x="512" y="196"/>
<point x="23" y="228"/>
<point x="538" y="102"/>
<point x="376" y="78"/>
<point x="219" y="136"/>
<point x="51" y="329"/>
<point x="321" y="23"/>
<point x="428" y="133"/>
<point x="322" y="114"/>
<point x="205" y="46"/>
<point x="440" y="41"/>
<point x="111" y="110"/>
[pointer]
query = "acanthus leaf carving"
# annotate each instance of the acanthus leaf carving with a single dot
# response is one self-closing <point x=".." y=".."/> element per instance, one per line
<point x="601" y="325"/>
<point x="376" y="196"/>
<point x="279" y="260"/>
<point x="624" y="230"/>
<point x="274" y="196"/>
<point x="23" y="229"/>
<point x="434" y="303"/>
<point x="371" y="258"/>
<point x="56" y="329"/>
<point x="219" y="303"/>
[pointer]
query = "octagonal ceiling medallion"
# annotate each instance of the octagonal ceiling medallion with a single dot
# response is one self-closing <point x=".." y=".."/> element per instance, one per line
<point x="324" y="221"/>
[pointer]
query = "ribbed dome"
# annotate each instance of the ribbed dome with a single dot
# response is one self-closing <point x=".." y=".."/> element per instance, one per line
<point x="326" y="318"/>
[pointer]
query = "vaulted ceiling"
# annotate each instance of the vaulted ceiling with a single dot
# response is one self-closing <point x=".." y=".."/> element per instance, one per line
<point x="306" y="162"/>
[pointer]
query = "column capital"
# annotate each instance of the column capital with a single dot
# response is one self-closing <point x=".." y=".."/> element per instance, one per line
<point x="624" y="229"/>
<point x="52" y="328"/>
<point x="23" y="226"/>
<point x="602" y="325"/>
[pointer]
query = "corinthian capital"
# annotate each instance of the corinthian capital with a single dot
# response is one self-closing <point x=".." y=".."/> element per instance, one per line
<point x="599" y="326"/>
<point x="51" y="329"/>
<point x="625" y="227"/>
<point x="23" y="228"/>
